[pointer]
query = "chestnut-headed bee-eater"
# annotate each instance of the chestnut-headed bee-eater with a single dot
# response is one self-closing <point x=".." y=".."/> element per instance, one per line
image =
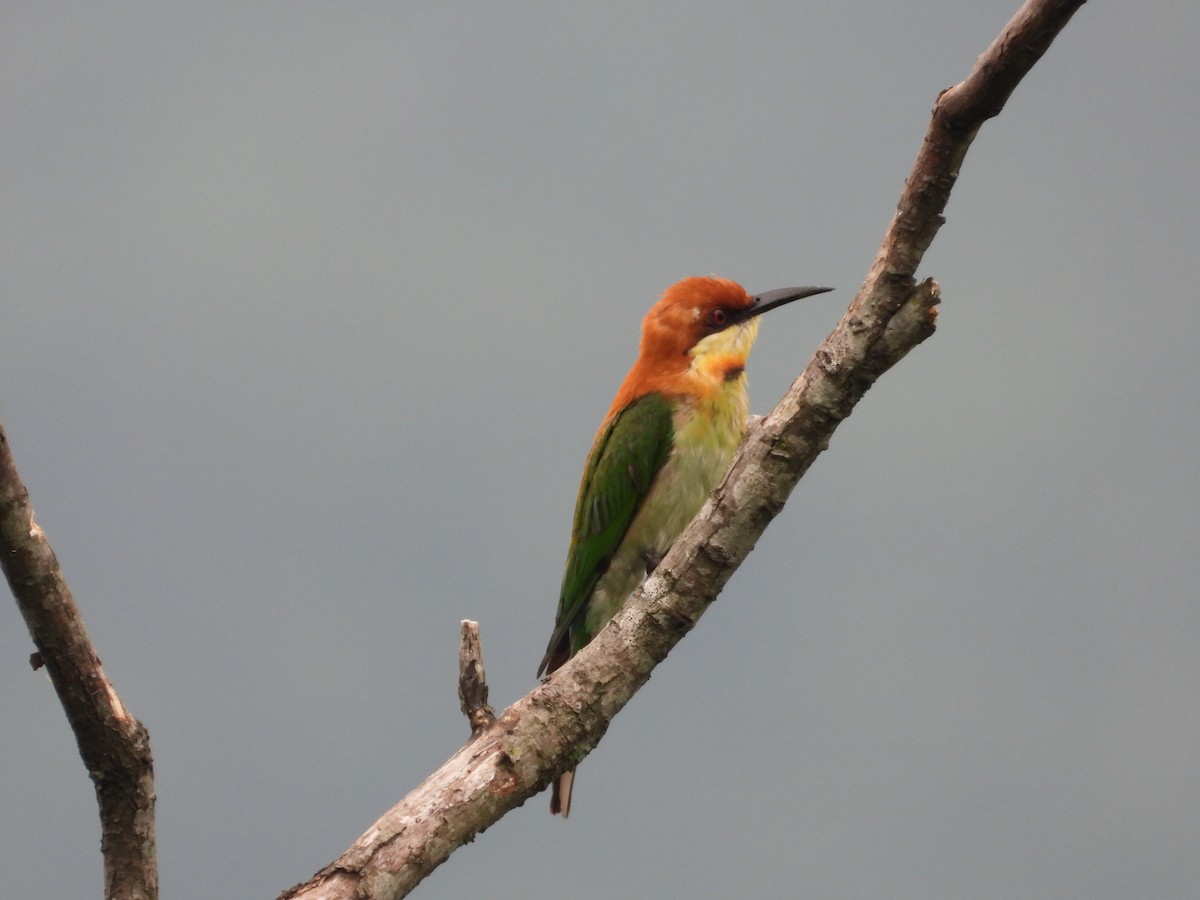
<point x="665" y="444"/>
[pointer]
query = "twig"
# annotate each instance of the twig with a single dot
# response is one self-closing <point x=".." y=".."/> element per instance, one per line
<point x="472" y="680"/>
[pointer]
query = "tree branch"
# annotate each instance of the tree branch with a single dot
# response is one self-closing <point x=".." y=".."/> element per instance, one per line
<point x="114" y="745"/>
<point x="553" y="727"/>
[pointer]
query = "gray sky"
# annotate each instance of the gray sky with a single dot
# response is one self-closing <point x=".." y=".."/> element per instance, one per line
<point x="310" y="312"/>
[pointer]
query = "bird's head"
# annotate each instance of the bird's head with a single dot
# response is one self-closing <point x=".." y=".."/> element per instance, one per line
<point x="709" y="318"/>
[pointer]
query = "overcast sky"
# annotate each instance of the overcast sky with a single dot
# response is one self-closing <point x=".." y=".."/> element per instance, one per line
<point x="310" y="311"/>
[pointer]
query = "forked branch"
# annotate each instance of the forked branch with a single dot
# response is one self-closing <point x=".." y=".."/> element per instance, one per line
<point x="554" y="726"/>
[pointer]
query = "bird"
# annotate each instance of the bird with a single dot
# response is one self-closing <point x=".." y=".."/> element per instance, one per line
<point x="664" y="445"/>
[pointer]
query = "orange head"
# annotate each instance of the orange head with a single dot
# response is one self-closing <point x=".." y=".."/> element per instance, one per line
<point x="689" y="311"/>
<point x="701" y="326"/>
<point x="702" y="315"/>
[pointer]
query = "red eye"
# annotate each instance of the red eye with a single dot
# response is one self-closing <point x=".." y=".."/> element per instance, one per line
<point x="718" y="318"/>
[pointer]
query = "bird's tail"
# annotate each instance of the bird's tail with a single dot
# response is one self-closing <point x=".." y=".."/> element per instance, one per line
<point x="560" y="796"/>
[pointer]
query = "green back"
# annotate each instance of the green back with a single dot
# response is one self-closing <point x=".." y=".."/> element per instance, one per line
<point x="620" y="469"/>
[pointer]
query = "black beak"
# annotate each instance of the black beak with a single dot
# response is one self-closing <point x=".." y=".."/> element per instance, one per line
<point x="772" y="299"/>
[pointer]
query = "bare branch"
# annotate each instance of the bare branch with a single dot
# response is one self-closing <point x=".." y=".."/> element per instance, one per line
<point x="958" y="114"/>
<point x="553" y="727"/>
<point x="114" y="745"/>
<point x="472" y="680"/>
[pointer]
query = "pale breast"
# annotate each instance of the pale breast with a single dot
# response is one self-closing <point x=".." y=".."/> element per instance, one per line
<point x="706" y="436"/>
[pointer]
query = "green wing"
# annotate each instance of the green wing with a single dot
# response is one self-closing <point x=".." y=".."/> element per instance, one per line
<point x="616" y="479"/>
